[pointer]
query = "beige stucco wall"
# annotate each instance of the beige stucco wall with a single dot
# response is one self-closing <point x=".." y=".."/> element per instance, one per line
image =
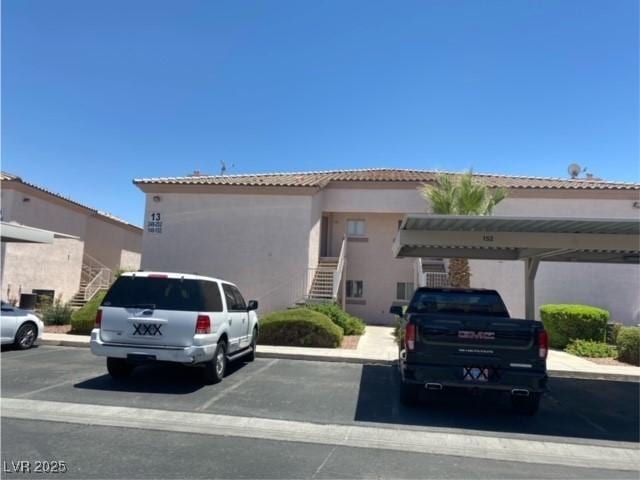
<point x="371" y="260"/>
<point x="266" y="243"/>
<point x="57" y="267"/>
<point x="259" y="242"/>
<point x="613" y="287"/>
<point x="106" y="242"/>
<point x="41" y="266"/>
<point x="129" y="260"/>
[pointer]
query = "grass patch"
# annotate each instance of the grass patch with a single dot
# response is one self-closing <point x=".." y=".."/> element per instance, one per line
<point x="591" y="349"/>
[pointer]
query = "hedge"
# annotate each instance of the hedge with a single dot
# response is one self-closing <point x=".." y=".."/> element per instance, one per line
<point x="591" y="349"/>
<point x="350" y="325"/>
<point x="83" y="319"/>
<point x="628" y="342"/>
<point x="299" y="327"/>
<point x="573" y="322"/>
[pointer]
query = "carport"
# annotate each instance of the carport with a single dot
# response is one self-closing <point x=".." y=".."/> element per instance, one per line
<point x="530" y="239"/>
<point x="15" y="232"/>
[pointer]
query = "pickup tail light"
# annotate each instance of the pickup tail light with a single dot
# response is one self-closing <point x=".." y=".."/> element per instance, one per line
<point x="98" y="318"/>
<point x="203" y="324"/>
<point x="410" y="337"/>
<point x="543" y="344"/>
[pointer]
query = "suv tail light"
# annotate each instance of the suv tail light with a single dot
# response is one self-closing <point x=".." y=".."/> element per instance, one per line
<point x="203" y="324"/>
<point x="98" y="318"/>
<point x="410" y="337"/>
<point x="543" y="344"/>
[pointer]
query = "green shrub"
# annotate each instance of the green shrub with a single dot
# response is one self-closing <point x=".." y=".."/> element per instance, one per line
<point x="82" y="320"/>
<point x="628" y="342"/>
<point x="613" y="329"/>
<point x="350" y="325"/>
<point x="57" y="313"/>
<point x="573" y="322"/>
<point x="299" y="327"/>
<point x="589" y="348"/>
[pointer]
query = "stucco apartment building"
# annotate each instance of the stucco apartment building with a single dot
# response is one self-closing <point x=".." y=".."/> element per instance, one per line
<point x="285" y="237"/>
<point x="94" y="245"/>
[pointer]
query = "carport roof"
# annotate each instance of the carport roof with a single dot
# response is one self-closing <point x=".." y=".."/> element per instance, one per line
<point x="14" y="232"/>
<point x="518" y="238"/>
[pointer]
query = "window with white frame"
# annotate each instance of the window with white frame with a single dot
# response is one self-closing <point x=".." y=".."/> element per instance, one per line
<point x="355" y="288"/>
<point x="404" y="290"/>
<point x="355" y="228"/>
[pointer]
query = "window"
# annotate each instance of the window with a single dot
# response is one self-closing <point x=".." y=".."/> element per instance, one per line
<point x="450" y="302"/>
<point x="164" y="294"/>
<point x="355" y="228"/>
<point x="233" y="297"/>
<point x="355" y="288"/>
<point x="404" y="290"/>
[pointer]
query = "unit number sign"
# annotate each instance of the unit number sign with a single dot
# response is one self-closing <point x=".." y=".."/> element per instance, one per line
<point x="154" y="225"/>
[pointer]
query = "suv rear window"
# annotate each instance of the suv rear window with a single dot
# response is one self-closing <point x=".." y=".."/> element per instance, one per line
<point x="164" y="294"/>
<point x="456" y="302"/>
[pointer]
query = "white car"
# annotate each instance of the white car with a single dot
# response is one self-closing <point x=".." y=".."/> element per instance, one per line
<point x="19" y="327"/>
<point x="174" y="317"/>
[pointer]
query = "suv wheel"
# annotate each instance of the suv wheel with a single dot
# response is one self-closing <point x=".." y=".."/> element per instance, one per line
<point x="119" y="367"/>
<point x="254" y="341"/>
<point x="215" y="368"/>
<point x="26" y="335"/>
<point x="409" y="394"/>
<point x="526" y="405"/>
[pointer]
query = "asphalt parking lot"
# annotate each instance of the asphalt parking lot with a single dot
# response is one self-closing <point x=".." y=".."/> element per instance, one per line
<point x="594" y="412"/>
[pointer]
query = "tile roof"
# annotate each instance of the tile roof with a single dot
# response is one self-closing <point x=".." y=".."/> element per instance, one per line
<point x="8" y="177"/>
<point x="321" y="179"/>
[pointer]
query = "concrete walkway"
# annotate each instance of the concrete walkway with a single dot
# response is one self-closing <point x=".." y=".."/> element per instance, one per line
<point x="378" y="345"/>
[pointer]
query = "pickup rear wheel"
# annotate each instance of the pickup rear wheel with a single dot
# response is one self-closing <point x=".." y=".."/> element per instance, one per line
<point x="215" y="368"/>
<point x="409" y="394"/>
<point x="119" y="367"/>
<point x="526" y="405"/>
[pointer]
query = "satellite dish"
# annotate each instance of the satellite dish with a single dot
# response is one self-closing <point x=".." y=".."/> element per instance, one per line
<point x="574" y="170"/>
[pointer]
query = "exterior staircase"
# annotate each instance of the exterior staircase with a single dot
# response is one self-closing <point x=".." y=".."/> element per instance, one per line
<point x="327" y="278"/>
<point x="94" y="277"/>
<point x="323" y="279"/>
<point x="431" y="272"/>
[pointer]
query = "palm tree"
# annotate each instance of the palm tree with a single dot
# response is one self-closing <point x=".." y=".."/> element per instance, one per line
<point x="461" y="195"/>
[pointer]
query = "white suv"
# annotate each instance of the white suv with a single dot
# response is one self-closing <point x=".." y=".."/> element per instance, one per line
<point x="174" y="317"/>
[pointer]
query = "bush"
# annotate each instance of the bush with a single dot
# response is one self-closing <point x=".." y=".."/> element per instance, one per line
<point x="299" y="327"/>
<point x="350" y="325"/>
<point x="82" y="320"/>
<point x="57" y="313"/>
<point x="612" y="332"/>
<point x="573" y="322"/>
<point x="628" y="342"/>
<point x="589" y="348"/>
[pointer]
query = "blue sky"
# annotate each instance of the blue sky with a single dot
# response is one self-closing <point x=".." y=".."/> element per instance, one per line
<point x="95" y="93"/>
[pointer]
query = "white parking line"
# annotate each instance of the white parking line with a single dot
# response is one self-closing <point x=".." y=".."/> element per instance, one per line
<point x="230" y="389"/>
<point x="405" y="440"/>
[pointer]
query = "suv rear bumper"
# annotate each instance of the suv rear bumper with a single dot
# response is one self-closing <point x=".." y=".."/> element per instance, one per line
<point x="451" y="376"/>
<point x="186" y="355"/>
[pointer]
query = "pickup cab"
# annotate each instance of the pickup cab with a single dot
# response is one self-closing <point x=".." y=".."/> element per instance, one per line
<point x="172" y="317"/>
<point x="465" y="338"/>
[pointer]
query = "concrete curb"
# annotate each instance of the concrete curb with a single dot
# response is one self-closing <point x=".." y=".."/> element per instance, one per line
<point x="83" y="342"/>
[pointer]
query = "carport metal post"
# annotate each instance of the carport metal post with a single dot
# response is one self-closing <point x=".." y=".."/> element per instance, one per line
<point x="530" y="271"/>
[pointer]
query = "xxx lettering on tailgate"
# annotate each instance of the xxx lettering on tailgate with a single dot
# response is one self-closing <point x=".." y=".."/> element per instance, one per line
<point x="147" y="329"/>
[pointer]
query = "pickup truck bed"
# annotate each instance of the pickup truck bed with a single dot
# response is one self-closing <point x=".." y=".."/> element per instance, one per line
<point x="465" y="339"/>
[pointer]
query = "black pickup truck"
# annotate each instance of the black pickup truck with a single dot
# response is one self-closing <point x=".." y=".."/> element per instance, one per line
<point x="465" y="338"/>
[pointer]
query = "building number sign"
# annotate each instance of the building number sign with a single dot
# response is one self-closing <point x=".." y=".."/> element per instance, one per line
<point x="154" y="225"/>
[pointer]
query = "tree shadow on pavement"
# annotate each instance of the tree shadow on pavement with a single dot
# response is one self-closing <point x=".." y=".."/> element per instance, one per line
<point x="587" y="409"/>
